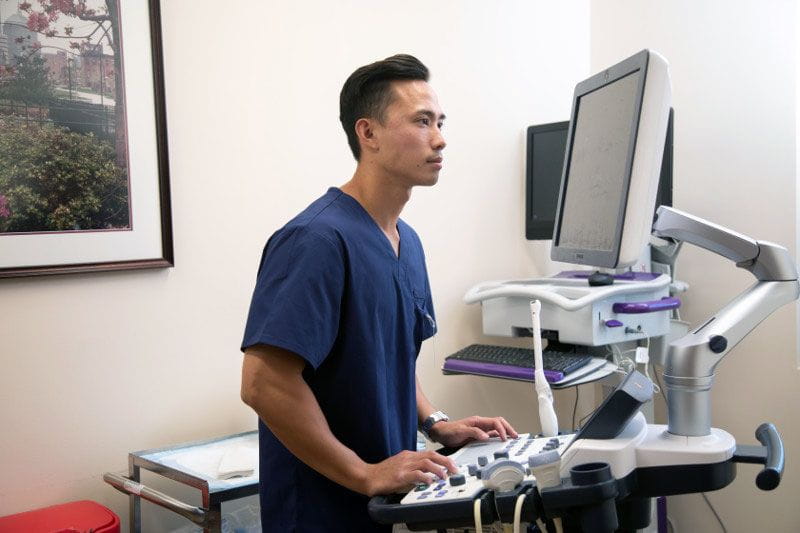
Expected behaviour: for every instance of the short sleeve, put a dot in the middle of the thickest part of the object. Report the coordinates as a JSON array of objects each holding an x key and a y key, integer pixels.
[{"x": 297, "y": 299}]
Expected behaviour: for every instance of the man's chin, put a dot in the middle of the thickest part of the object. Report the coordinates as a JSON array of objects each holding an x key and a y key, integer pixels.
[
  {"x": 429, "y": 181},
  {"x": 423, "y": 181}
]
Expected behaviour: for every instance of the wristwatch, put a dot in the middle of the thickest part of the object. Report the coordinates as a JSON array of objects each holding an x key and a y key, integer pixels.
[{"x": 428, "y": 423}]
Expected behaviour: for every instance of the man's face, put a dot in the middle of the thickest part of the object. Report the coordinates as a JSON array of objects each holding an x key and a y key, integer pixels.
[{"x": 410, "y": 141}]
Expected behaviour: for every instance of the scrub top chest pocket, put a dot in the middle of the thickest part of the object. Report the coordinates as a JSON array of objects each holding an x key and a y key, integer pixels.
[
  {"x": 425, "y": 324},
  {"x": 424, "y": 321}
]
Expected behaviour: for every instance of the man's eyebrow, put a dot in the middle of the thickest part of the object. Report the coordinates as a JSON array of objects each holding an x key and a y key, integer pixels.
[{"x": 430, "y": 114}]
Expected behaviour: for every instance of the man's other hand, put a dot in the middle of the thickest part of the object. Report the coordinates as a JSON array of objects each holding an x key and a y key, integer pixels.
[
  {"x": 475, "y": 428},
  {"x": 401, "y": 472}
]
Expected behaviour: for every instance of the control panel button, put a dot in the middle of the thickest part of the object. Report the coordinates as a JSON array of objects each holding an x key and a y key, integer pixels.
[{"x": 457, "y": 479}]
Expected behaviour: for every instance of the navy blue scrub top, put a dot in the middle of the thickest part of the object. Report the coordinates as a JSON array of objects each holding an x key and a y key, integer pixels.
[{"x": 331, "y": 289}]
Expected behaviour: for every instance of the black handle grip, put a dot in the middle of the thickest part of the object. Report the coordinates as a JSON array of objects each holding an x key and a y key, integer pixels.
[{"x": 770, "y": 476}]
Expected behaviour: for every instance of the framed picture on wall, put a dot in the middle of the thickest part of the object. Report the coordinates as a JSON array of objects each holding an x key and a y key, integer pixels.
[{"x": 84, "y": 177}]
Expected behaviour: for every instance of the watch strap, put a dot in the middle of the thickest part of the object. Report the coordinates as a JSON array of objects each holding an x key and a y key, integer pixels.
[{"x": 428, "y": 423}]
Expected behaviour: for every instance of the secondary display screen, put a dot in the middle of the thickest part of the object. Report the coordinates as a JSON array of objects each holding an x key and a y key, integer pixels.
[
  {"x": 547, "y": 161},
  {"x": 596, "y": 180}
]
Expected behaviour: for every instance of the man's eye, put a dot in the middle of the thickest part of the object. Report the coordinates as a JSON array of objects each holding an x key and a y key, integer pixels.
[
  {"x": 440, "y": 125},
  {"x": 424, "y": 121}
]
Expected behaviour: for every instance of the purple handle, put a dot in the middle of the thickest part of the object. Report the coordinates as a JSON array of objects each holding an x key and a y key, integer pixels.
[{"x": 634, "y": 308}]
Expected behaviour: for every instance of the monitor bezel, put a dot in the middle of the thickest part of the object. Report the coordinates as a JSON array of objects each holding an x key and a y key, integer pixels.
[
  {"x": 543, "y": 229},
  {"x": 601, "y": 258},
  {"x": 665, "y": 176}
]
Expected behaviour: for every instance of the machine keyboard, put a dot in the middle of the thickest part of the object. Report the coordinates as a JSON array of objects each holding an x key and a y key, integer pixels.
[{"x": 557, "y": 364}]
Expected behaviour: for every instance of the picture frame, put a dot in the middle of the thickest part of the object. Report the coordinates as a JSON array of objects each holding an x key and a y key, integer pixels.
[{"x": 100, "y": 121}]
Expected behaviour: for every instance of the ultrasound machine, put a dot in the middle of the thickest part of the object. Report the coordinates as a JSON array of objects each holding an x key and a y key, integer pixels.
[{"x": 604, "y": 476}]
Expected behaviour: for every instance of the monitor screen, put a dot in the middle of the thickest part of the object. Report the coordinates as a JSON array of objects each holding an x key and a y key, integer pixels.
[
  {"x": 545, "y": 167},
  {"x": 595, "y": 192},
  {"x": 614, "y": 150}
]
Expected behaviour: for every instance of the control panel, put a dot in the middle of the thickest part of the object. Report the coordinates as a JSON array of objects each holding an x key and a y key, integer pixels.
[{"x": 488, "y": 465}]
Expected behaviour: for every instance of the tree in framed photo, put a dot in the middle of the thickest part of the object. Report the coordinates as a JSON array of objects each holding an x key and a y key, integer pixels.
[{"x": 63, "y": 137}]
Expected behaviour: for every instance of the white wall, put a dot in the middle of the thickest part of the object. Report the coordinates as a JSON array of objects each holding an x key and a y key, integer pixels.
[
  {"x": 733, "y": 72},
  {"x": 95, "y": 366}
]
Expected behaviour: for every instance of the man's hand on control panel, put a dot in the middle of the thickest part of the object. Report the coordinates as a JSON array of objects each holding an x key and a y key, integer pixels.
[
  {"x": 401, "y": 472},
  {"x": 455, "y": 433}
]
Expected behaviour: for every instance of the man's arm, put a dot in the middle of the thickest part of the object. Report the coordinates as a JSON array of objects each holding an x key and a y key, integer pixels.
[
  {"x": 459, "y": 432},
  {"x": 273, "y": 385}
]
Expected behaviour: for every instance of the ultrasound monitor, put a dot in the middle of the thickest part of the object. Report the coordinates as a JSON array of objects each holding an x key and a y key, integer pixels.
[
  {"x": 544, "y": 165},
  {"x": 612, "y": 164}
]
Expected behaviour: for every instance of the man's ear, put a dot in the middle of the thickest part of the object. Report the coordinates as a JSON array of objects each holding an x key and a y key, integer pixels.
[{"x": 365, "y": 130}]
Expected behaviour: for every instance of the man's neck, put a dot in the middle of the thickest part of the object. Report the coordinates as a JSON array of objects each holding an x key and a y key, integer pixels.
[{"x": 379, "y": 198}]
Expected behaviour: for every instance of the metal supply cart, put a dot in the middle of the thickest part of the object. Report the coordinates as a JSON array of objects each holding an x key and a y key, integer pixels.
[{"x": 191, "y": 464}]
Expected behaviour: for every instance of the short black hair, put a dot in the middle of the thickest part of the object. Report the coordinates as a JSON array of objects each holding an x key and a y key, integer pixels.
[{"x": 367, "y": 92}]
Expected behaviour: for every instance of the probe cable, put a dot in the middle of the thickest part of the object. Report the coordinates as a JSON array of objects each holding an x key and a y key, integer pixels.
[
  {"x": 476, "y": 514},
  {"x": 518, "y": 510}
]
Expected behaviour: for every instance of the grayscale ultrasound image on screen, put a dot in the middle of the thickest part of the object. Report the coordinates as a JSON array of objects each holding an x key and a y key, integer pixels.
[{"x": 596, "y": 180}]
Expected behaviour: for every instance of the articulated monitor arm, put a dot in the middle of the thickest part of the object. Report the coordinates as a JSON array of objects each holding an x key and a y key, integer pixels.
[{"x": 692, "y": 359}]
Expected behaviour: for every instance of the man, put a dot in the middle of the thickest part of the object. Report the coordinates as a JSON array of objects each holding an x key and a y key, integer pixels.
[{"x": 340, "y": 309}]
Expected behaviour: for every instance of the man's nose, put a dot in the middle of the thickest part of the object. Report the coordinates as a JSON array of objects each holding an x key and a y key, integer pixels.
[{"x": 438, "y": 141}]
